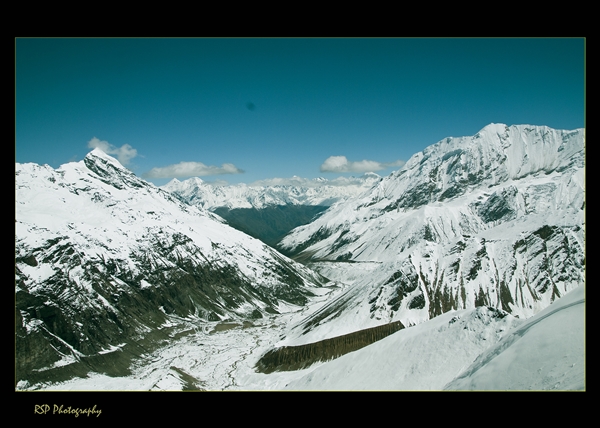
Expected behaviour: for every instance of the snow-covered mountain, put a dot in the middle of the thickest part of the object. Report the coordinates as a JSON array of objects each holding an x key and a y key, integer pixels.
[
  {"x": 496, "y": 219},
  {"x": 104, "y": 260},
  {"x": 476, "y": 246},
  {"x": 294, "y": 191}
]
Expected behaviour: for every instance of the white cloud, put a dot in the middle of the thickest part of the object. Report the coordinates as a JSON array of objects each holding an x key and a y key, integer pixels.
[
  {"x": 341, "y": 164},
  {"x": 124, "y": 153},
  {"x": 191, "y": 169}
]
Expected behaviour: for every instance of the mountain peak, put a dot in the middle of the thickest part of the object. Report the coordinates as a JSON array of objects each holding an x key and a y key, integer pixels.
[
  {"x": 110, "y": 170},
  {"x": 174, "y": 181},
  {"x": 494, "y": 127},
  {"x": 116, "y": 262},
  {"x": 97, "y": 153}
]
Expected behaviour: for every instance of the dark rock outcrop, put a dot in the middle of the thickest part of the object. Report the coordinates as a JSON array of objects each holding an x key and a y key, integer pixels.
[{"x": 289, "y": 358}]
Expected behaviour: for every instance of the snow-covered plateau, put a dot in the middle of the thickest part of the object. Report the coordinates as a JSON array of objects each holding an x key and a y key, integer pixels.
[{"x": 475, "y": 248}]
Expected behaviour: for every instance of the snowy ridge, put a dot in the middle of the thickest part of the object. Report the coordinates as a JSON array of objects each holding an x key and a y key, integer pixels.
[
  {"x": 516, "y": 363},
  {"x": 472, "y": 349},
  {"x": 495, "y": 155},
  {"x": 495, "y": 219}
]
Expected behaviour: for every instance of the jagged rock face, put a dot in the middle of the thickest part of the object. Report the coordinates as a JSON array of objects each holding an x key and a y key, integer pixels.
[
  {"x": 105, "y": 259},
  {"x": 495, "y": 219},
  {"x": 495, "y": 155}
]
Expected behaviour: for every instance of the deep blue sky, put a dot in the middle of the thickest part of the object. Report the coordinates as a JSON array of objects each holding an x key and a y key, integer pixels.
[{"x": 281, "y": 107}]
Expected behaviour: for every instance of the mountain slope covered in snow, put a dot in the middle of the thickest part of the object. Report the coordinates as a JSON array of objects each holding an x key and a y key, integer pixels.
[
  {"x": 104, "y": 260},
  {"x": 470, "y": 349},
  {"x": 496, "y": 219},
  {"x": 545, "y": 352}
]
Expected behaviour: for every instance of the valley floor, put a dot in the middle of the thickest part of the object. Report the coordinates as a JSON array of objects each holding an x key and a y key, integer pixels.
[
  {"x": 471, "y": 349},
  {"x": 204, "y": 360},
  {"x": 203, "y": 356}
]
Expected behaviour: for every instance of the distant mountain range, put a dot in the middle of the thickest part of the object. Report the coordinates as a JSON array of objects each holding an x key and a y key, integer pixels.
[
  {"x": 269, "y": 211},
  {"x": 294, "y": 191}
]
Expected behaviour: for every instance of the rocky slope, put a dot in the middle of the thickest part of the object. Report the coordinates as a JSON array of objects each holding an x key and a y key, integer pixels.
[
  {"x": 106, "y": 261},
  {"x": 496, "y": 219}
]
